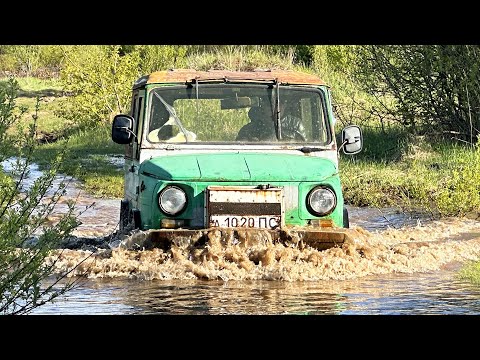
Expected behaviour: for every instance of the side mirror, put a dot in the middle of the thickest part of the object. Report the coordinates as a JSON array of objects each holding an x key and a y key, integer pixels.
[
  {"x": 352, "y": 139},
  {"x": 122, "y": 129}
]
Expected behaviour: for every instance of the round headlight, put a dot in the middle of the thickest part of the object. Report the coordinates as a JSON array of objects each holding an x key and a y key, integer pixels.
[
  {"x": 321, "y": 201},
  {"x": 172, "y": 200}
]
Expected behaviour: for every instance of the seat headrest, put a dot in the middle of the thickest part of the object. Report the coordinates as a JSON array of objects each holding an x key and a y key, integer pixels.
[{"x": 256, "y": 113}]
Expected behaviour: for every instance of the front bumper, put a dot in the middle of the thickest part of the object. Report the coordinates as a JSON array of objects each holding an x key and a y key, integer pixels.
[{"x": 320, "y": 239}]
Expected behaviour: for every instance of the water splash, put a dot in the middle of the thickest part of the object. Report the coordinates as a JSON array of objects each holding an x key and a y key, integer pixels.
[{"x": 417, "y": 249}]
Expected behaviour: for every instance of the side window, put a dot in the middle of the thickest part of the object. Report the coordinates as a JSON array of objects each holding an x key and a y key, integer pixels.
[
  {"x": 136, "y": 116},
  {"x": 133, "y": 105}
]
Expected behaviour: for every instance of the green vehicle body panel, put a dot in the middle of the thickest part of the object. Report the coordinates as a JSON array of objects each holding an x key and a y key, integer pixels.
[
  {"x": 235, "y": 169},
  {"x": 220, "y": 167}
]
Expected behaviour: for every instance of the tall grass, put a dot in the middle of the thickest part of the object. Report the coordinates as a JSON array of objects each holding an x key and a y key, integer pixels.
[
  {"x": 87, "y": 161},
  {"x": 237, "y": 57},
  {"x": 471, "y": 272},
  {"x": 442, "y": 178},
  {"x": 50, "y": 95},
  {"x": 29, "y": 84}
]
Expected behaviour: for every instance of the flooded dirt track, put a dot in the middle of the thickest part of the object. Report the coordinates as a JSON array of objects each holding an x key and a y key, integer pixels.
[
  {"x": 98, "y": 217},
  {"x": 395, "y": 263}
]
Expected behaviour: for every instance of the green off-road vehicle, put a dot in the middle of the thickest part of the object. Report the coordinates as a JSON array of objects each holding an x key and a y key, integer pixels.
[{"x": 235, "y": 152}]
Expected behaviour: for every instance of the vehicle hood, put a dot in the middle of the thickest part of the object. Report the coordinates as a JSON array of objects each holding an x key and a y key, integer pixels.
[{"x": 239, "y": 167}]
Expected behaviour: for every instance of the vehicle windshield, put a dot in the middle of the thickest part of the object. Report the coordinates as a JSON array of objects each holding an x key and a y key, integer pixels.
[{"x": 237, "y": 113}]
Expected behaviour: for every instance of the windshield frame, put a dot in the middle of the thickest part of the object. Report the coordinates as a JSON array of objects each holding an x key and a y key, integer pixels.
[{"x": 321, "y": 90}]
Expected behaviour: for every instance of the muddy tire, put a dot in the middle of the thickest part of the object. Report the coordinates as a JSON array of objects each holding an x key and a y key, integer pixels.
[
  {"x": 124, "y": 214},
  {"x": 135, "y": 218},
  {"x": 346, "y": 220}
]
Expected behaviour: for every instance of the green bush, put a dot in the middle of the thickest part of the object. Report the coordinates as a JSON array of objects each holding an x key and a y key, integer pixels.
[
  {"x": 237, "y": 57},
  {"x": 459, "y": 193},
  {"x": 7, "y": 63},
  {"x": 434, "y": 88},
  {"x": 99, "y": 78},
  {"x": 31, "y": 60},
  {"x": 160, "y": 57},
  {"x": 23, "y": 212},
  {"x": 99, "y": 81},
  {"x": 336, "y": 65}
]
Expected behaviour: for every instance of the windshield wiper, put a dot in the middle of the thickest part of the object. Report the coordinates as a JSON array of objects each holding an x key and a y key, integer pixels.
[
  {"x": 277, "y": 114},
  {"x": 307, "y": 150},
  {"x": 173, "y": 113}
]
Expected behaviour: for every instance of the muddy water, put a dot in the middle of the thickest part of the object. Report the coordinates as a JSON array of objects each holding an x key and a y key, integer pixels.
[
  {"x": 98, "y": 216},
  {"x": 408, "y": 270},
  {"x": 438, "y": 292},
  {"x": 395, "y": 263}
]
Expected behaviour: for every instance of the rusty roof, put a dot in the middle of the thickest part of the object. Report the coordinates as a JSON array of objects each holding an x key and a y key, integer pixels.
[{"x": 190, "y": 75}]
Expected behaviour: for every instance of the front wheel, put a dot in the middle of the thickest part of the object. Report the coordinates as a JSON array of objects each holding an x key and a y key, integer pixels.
[{"x": 346, "y": 220}]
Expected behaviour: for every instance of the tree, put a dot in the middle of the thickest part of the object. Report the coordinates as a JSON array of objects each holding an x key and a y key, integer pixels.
[
  {"x": 26, "y": 236},
  {"x": 435, "y": 87},
  {"x": 98, "y": 79}
]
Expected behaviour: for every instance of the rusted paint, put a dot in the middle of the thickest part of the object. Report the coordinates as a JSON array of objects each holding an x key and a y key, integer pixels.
[{"x": 190, "y": 75}]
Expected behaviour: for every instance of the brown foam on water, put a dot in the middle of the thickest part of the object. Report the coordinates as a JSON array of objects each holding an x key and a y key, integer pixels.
[{"x": 408, "y": 250}]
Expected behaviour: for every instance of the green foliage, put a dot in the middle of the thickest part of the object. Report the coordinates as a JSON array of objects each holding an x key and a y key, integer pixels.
[
  {"x": 8, "y": 94},
  {"x": 336, "y": 65},
  {"x": 471, "y": 272},
  {"x": 99, "y": 80},
  {"x": 28, "y": 57},
  {"x": 459, "y": 193},
  {"x": 238, "y": 57},
  {"x": 334, "y": 58},
  {"x": 89, "y": 149},
  {"x": 28, "y": 60},
  {"x": 434, "y": 87},
  {"x": 51, "y": 56},
  {"x": 7, "y": 62},
  {"x": 26, "y": 237},
  {"x": 160, "y": 57}
]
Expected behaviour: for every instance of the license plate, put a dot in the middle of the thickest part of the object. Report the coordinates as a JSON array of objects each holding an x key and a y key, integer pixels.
[{"x": 260, "y": 222}]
